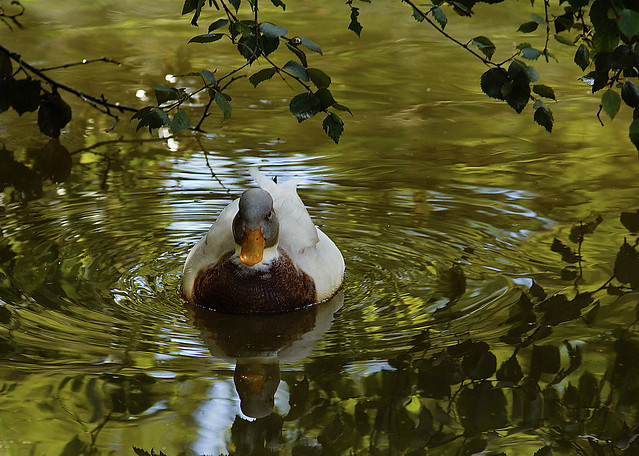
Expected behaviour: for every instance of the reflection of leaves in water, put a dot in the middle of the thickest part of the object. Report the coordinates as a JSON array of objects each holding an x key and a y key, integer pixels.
[
  {"x": 566, "y": 252},
  {"x": 630, "y": 220},
  {"x": 460, "y": 398},
  {"x": 52, "y": 161},
  {"x": 627, "y": 265}
]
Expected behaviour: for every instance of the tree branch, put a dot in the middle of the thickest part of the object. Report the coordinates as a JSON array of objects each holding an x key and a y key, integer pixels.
[
  {"x": 450, "y": 37},
  {"x": 82, "y": 62},
  {"x": 93, "y": 101}
]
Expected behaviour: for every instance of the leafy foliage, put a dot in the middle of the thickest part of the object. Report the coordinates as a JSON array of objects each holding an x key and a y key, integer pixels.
[
  {"x": 253, "y": 40},
  {"x": 462, "y": 397},
  {"x": 603, "y": 32}
]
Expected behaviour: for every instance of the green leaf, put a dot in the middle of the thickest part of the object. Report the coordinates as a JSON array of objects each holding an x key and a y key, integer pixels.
[
  {"x": 223, "y": 104},
  {"x": 279, "y": 3},
  {"x": 528, "y": 27},
  {"x": 462, "y": 9},
  {"x": 206, "y": 38},
  {"x": 606, "y": 36},
  {"x": 247, "y": 46},
  {"x": 611, "y": 102},
  {"x": 633, "y": 133},
  {"x": 164, "y": 94},
  {"x": 310, "y": 45},
  {"x": 566, "y": 40},
  {"x": 516, "y": 91},
  {"x": 492, "y": 81},
  {"x": 235, "y": 4},
  {"x": 6, "y": 68},
  {"x": 530, "y": 53},
  {"x": 24, "y": 95},
  {"x": 538, "y": 19},
  {"x": 532, "y": 73},
  {"x": 544, "y": 91},
  {"x": 318, "y": 77},
  {"x": 628, "y": 22},
  {"x": 218, "y": 24},
  {"x": 243, "y": 28},
  {"x": 261, "y": 76},
  {"x": 341, "y": 107},
  {"x": 54, "y": 114},
  {"x": 355, "y": 26},
  {"x": 543, "y": 116},
  {"x": 271, "y": 30},
  {"x": 180, "y": 121},
  {"x": 440, "y": 17},
  {"x": 304, "y": 106},
  {"x": 516, "y": 95},
  {"x": 269, "y": 44},
  {"x": 209, "y": 76},
  {"x": 417, "y": 15},
  {"x": 582, "y": 57},
  {"x": 333, "y": 126},
  {"x": 325, "y": 97},
  {"x": 485, "y": 46},
  {"x": 298, "y": 52},
  {"x": 151, "y": 117},
  {"x": 296, "y": 69},
  {"x": 193, "y": 5},
  {"x": 630, "y": 93}
]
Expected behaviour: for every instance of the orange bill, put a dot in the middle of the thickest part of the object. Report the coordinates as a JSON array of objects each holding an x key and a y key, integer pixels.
[
  {"x": 254, "y": 383},
  {"x": 252, "y": 247}
]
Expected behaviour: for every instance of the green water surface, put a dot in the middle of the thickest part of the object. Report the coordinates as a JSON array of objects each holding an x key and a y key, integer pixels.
[{"x": 459, "y": 329}]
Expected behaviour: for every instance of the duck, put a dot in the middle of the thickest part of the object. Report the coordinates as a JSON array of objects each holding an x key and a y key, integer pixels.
[{"x": 263, "y": 254}]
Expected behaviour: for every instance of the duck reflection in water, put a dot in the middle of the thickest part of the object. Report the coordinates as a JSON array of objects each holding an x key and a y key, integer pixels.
[{"x": 259, "y": 343}]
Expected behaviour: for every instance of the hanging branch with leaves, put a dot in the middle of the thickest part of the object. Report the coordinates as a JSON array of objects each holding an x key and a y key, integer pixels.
[
  {"x": 254, "y": 40},
  {"x": 29, "y": 94}
]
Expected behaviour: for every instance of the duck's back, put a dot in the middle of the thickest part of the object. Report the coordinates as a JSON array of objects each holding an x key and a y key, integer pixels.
[{"x": 309, "y": 248}]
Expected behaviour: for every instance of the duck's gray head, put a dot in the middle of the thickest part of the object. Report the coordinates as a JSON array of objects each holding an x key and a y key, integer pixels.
[{"x": 255, "y": 227}]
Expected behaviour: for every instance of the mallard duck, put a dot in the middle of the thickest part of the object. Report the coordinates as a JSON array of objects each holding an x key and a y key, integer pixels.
[{"x": 263, "y": 254}]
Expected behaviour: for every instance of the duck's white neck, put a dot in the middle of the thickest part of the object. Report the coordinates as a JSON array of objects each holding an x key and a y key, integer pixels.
[{"x": 270, "y": 254}]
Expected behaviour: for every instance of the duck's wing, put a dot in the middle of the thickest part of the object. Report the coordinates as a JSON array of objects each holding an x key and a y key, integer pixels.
[
  {"x": 309, "y": 248},
  {"x": 215, "y": 243},
  {"x": 297, "y": 231}
]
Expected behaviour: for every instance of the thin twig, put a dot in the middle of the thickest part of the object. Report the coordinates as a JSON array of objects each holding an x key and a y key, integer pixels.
[
  {"x": 82, "y": 62},
  {"x": 450, "y": 37},
  {"x": 546, "y": 5},
  {"x": 118, "y": 141},
  {"x": 83, "y": 96}
]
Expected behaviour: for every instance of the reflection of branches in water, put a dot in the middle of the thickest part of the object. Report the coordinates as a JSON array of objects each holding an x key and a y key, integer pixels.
[
  {"x": 6, "y": 17},
  {"x": 213, "y": 175},
  {"x": 120, "y": 141}
]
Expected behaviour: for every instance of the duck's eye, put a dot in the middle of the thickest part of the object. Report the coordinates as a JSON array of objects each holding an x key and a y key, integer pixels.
[{"x": 269, "y": 216}]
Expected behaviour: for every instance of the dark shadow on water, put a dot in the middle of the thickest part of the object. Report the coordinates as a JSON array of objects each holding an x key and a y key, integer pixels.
[{"x": 259, "y": 343}]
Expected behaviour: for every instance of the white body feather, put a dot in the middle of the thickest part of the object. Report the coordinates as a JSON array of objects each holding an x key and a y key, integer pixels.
[{"x": 308, "y": 247}]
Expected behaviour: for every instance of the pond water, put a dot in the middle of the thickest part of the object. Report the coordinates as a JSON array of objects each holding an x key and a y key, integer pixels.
[{"x": 467, "y": 323}]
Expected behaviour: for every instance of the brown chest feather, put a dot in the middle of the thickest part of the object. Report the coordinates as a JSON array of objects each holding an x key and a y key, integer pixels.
[{"x": 232, "y": 288}]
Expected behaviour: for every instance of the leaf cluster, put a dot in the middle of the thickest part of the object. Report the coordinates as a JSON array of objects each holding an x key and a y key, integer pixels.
[
  {"x": 28, "y": 95},
  {"x": 253, "y": 40}
]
